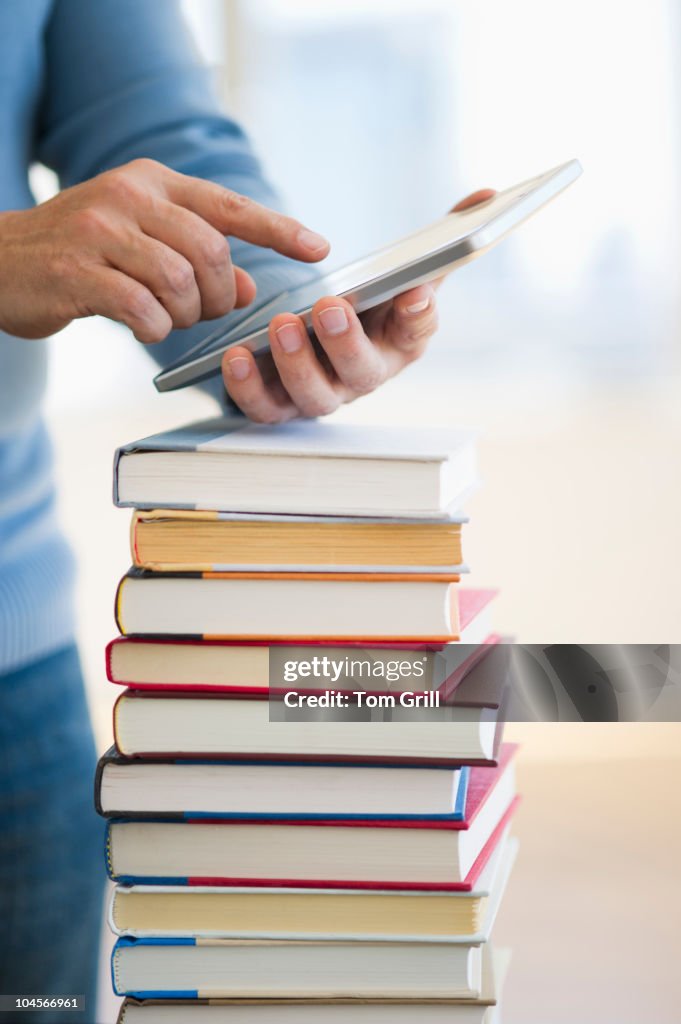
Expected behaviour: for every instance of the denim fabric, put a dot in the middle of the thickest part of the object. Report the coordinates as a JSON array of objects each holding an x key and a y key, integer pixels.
[{"x": 51, "y": 863}]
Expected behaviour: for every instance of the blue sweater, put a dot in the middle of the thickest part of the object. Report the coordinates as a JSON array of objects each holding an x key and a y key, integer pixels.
[{"x": 86, "y": 85}]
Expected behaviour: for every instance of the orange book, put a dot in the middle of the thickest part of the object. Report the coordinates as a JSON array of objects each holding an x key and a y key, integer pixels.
[{"x": 164, "y": 540}]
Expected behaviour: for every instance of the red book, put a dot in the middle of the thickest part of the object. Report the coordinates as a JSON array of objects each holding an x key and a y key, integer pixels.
[{"x": 327, "y": 854}]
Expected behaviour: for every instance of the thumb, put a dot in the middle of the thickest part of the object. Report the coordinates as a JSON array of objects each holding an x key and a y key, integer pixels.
[{"x": 474, "y": 199}]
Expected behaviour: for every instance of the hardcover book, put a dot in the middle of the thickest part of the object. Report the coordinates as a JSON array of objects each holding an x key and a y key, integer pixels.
[
  {"x": 149, "y": 724},
  {"x": 166, "y": 541},
  {"x": 325, "y": 854},
  {"x": 339, "y": 1010},
  {"x": 294, "y": 606},
  {"x": 210, "y": 912},
  {"x": 243, "y": 667},
  {"x": 195, "y": 968},
  {"x": 178, "y": 790},
  {"x": 303, "y": 467}
]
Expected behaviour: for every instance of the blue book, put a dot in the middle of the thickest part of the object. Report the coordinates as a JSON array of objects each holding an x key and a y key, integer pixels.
[{"x": 194, "y": 790}]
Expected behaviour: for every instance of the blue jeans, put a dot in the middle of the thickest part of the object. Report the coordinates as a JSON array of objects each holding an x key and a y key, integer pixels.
[{"x": 51, "y": 841}]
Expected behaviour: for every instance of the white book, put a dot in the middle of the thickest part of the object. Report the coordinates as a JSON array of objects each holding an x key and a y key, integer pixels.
[
  {"x": 268, "y": 968},
  {"x": 481, "y": 1010},
  {"x": 315, "y": 605},
  {"x": 302, "y": 467},
  {"x": 210, "y": 726},
  {"x": 130, "y": 788}
]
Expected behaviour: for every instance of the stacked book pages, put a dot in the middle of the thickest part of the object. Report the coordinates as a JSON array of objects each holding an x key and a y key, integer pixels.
[{"x": 308, "y": 800}]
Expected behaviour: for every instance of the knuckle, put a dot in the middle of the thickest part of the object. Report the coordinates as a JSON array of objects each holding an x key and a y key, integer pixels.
[
  {"x": 281, "y": 225},
  {"x": 322, "y": 405},
  {"x": 421, "y": 335},
  {"x": 65, "y": 266},
  {"x": 89, "y": 221},
  {"x": 366, "y": 382},
  {"x": 144, "y": 165},
  {"x": 411, "y": 352},
  {"x": 265, "y": 415},
  {"x": 214, "y": 252},
  {"x": 120, "y": 186},
  {"x": 270, "y": 418},
  {"x": 417, "y": 336},
  {"x": 234, "y": 202},
  {"x": 137, "y": 303},
  {"x": 178, "y": 275}
]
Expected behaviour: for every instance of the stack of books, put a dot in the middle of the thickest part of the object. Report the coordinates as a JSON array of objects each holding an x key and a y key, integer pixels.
[{"x": 308, "y": 798}]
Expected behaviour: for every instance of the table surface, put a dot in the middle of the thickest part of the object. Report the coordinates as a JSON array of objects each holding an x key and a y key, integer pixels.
[{"x": 593, "y": 908}]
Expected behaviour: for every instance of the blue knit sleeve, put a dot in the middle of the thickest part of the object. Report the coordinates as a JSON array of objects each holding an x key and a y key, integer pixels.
[{"x": 123, "y": 80}]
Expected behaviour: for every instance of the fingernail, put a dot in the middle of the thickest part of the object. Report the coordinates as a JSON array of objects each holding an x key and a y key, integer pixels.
[
  {"x": 418, "y": 307},
  {"x": 239, "y": 367},
  {"x": 312, "y": 241},
  {"x": 289, "y": 338},
  {"x": 334, "y": 319}
]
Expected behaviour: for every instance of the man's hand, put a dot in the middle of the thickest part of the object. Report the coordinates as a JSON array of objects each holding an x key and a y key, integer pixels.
[
  {"x": 357, "y": 353},
  {"x": 140, "y": 244}
]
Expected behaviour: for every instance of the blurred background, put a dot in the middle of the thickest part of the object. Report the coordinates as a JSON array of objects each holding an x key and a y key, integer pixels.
[{"x": 561, "y": 347}]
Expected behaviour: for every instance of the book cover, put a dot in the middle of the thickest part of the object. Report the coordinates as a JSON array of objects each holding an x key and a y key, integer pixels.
[
  {"x": 167, "y": 540},
  {"x": 316, "y": 914},
  {"x": 246, "y": 618},
  {"x": 112, "y": 757},
  {"x": 480, "y": 787},
  {"x": 417, "y": 453}
]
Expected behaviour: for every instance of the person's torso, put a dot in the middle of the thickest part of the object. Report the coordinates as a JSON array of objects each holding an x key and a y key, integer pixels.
[{"x": 22, "y": 24}]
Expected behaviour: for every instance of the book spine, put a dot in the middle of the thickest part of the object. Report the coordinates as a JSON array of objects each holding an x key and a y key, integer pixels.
[
  {"x": 99, "y": 771},
  {"x": 134, "y": 552},
  {"x": 267, "y": 818},
  {"x": 114, "y": 715},
  {"x": 298, "y": 757},
  {"x": 108, "y": 655},
  {"x": 117, "y": 458},
  {"x": 117, "y": 605}
]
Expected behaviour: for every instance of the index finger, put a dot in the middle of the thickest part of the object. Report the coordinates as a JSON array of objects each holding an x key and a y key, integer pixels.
[{"x": 235, "y": 214}]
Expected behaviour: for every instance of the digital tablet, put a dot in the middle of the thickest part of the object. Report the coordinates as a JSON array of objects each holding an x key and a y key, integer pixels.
[{"x": 411, "y": 261}]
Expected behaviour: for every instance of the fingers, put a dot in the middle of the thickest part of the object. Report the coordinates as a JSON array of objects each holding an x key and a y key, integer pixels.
[
  {"x": 246, "y": 288},
  {"x": 412, "y": 321},
  {"x": 164, "y": 272},
  {"x": 264, "y": 403},
  {"x": 185, "y": 263},
  {"x": 358, "y": 363},
  {"x": 203, "y": 247},
  {"x": 306, "y": 381},
  {"x": 234, "y": 214},
  {"x": 483, "y": 195},
  {"x": 108, "y": 292}
]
